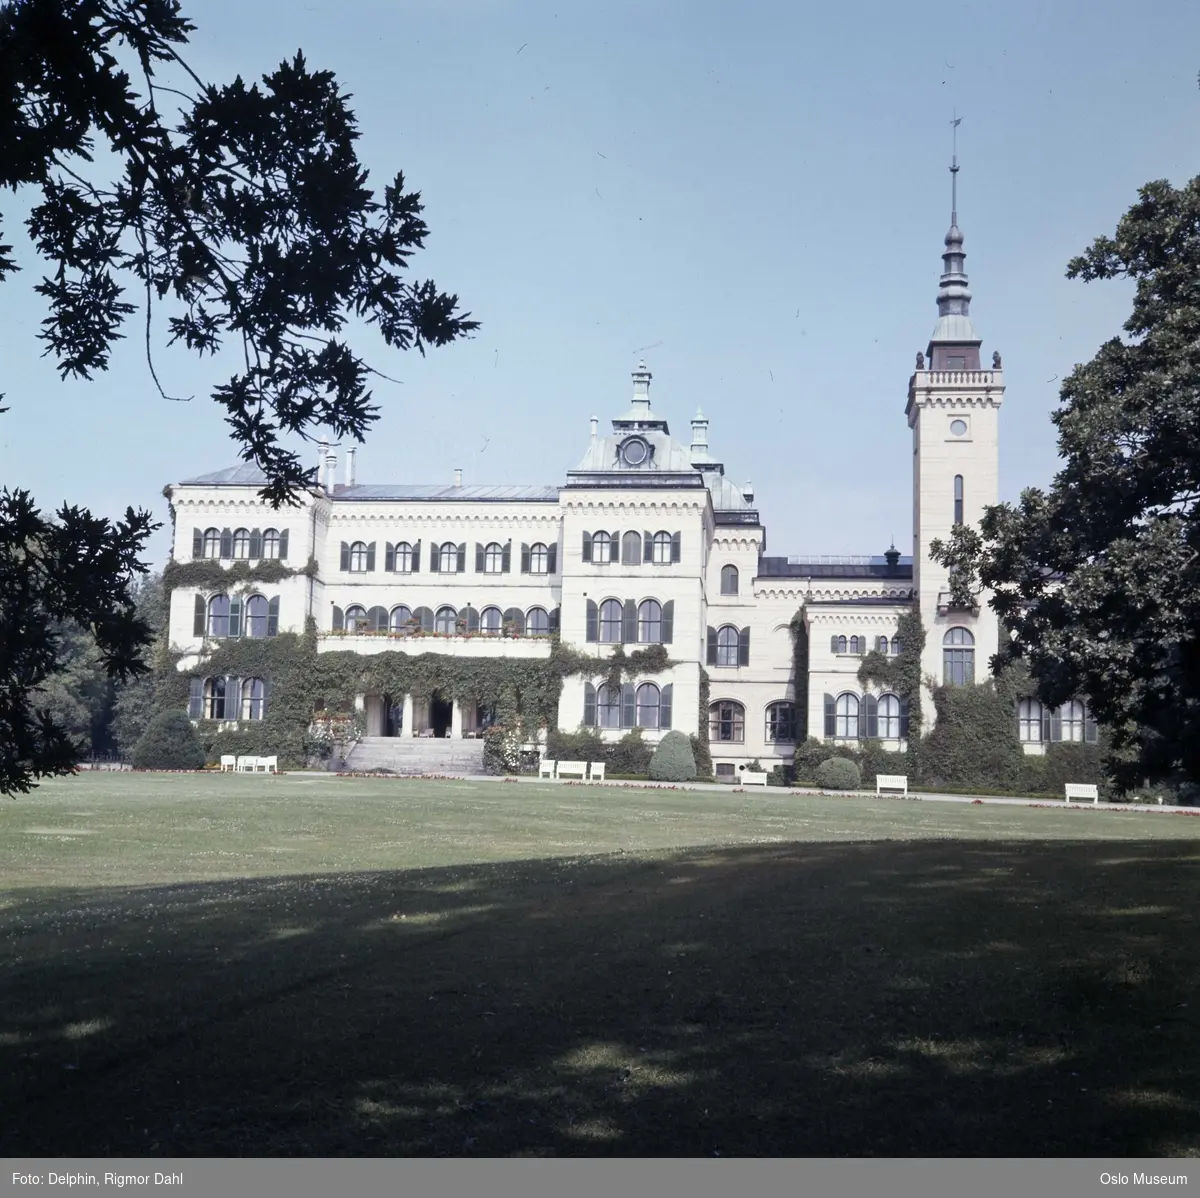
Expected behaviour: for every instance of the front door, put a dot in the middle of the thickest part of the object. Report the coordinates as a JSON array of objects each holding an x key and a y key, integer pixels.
[
  {"x": 441, "y": 712},
  {"x": 393, "y": 717}
]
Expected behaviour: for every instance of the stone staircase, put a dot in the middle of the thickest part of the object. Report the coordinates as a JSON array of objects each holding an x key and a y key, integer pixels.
[{"x": 414, "y": 756}]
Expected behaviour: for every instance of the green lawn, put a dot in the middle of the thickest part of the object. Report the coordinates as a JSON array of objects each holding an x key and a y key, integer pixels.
[{"x": 308, "y": 965}]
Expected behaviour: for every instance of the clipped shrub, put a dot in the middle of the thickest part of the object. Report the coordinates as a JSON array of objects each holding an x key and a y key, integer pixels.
[
  {"x": 584, "y": 745},
  {"x": 169, "y": 743},
  {"x": 630, "y": 755},
  {"x": 875, "y": 760},
  {"x": 839, "y": 773},
  {"x": 673, "y": 760},
  {"x": 810, "y": 754}
]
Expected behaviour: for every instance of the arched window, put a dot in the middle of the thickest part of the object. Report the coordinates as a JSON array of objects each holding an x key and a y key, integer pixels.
[
  {"x": 660, "y": 552},
  {"x": 650, "y": 622},
  {"x": 897, "y": 644},
  {"x": 1072, "y": 716},
  {"x": 270, "y": 547},
  {"x": 358, "y": 556},
  {"x": 491, "y": 621},
  {"x": 727, "y": 646},
  {"x": 256, "y": 616},
  {"x": 539, "y": 559},
  {"x": 608, "y": 706},
  {"x": 377, "y": 619},
  {"x": 958, "y": 657},
  {"x": 218, "y": 615},
  {"x": 241, "y": 542},
  {"x": 537, "y": 622},
  {"x": 212, "y": 542},
  {"x": 601, "y": 547},
  {"x": 1029, "y": 721},
  {"x": 727, "y": 722},
  {"x": 493, "y": 558},
  {"x": 889, "y": 717},
  {"x": 214, "y": 698},
  {"x": 729, "y": 580},
  {"x": 445, "y": 621},
  {"x": 958, "y": 499},
  {"x": 841, "y": 644},
  {"x": 402, "y": 560},
  {"x": 448, "y": 558},
  {"x": 631, "y": 549},
  {"x": 252, "y": 699},
  {"x": 781, "y": 722},
  {"x": 846, "y": 711},
  {"x": 857, "y": 644},
  {"x": 881, "y": 644},
  {"x": 610, "y": 622},
  {"x": 648, "y": 699},
  {"x": 356, "y": 619},
  {"x": 398, "y": 621}
]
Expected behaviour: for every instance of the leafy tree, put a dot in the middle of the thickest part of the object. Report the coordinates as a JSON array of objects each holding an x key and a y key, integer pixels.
[
  {"x": 134, "y": 702},
  {"x": 169, "y": 743},
  {"x": 240, "y": 213},
  {"x": 1098, "y": 578},
  {"x": 79, "y": 694}
]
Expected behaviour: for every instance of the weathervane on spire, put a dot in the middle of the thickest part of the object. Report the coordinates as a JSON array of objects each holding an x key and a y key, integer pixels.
[{"x": 954, "y": 124}]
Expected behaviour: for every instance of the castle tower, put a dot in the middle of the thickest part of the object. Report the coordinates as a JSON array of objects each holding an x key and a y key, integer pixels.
[{"x": 953, "y": 411}]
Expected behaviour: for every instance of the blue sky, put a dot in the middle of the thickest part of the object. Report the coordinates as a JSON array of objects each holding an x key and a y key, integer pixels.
[{"x": 758, "y": 192}]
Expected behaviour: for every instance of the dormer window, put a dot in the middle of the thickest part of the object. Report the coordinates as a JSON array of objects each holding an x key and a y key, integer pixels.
[{"x": 635, "y": 452}]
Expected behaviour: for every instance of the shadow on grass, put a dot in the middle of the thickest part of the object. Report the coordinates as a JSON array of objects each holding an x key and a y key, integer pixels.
[{"x": 934, "y": 998}]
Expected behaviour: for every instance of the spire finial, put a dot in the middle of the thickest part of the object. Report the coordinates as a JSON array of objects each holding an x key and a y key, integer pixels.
[{"x": 954, "y": 124}]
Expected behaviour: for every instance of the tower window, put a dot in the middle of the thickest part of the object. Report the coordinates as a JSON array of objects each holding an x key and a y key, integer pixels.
[
  {"x": 956, "y": 363},
  {"x": 958, "y": 499}
]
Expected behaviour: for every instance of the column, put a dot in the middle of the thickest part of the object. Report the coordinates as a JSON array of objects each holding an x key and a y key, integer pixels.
[
  {"x": 407, "y": 729},
  {"x": 455, "y": 720}
]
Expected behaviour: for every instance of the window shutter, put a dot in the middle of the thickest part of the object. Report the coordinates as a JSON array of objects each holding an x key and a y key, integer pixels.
[
  {"x": 226, "y": 542},
  {"x": 552, "y": 559},
  {"x": 478, "y": 558},
  {"x": 676, "y": 546},
  {"x": 628, "y": 706},
  {"x": 197, "y": 543},
  {"x": 389, "y": 557},
  {"x": 371, "y": 556},
  {"x": 266, "y": 698},
  {"x": 587, "y": 546},
  {"x": 283, "y": 544},
  {"x": 664, "y": 705},
  {"x": 554, "y": 616},
  {"x": 668, "y": 622},
  {"x": 339, "y": 619},
  {"x": 201, "y": 612},
  {"x": 903, "y": 717},
  {"x": 506, "y": 559},
  {"x": 589, "y": 705},
  {"x": 524, "y": 559},
  {"x": 1090, "y": 731},
  {"x": 195, "y": 698},
  {"x": 712, "y": 647},
  {"x": 647, "y": 546},
  {"x": 614, "y": 547},
  {"x": 472, "y": 618},
  {"x": 833, "y": 644},
  {"x": 462, "y": 558},
  {"x": 273, "y": 617},
  {"x": 1045, "y": 724},
  {"x": 830, "y": 718},
  {"x": 435, "y": 557},
  {"x": 1056, "y": 725},
  {"x": 345, "y": 557},
  {"x": 233, "y": 698},
  {"x": 871, "y": 711},
  {"x": 744, "y": 647},
  {"x": 416, "y": 558},
  {"x": 235, "y": 616},
  {"x": 256, "y": 543},
  {"x": 593, "y": 621},
  {"x": 629, "y": 622}
]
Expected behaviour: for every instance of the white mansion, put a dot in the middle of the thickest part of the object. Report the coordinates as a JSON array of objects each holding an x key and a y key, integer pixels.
[{"x": 646, "y": 541}]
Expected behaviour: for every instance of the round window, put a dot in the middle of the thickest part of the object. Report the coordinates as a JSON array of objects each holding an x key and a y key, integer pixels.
[
  {"x": 958, "y": 428},
  {"x": 635, "y": 451}
]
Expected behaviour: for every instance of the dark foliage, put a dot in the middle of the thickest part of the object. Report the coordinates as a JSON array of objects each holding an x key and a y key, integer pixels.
[
  {"x": 169, "y": 743},
  {"x": 672, "y": 760}
]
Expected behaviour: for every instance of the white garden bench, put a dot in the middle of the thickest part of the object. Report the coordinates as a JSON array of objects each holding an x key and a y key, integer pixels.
[
  {"x": 596, "y": 771},
  {"x": 1083, "y": 790},
  {"x": 753, "y": 778},
  {"x": 891, "y": 782},
  {"x": 268, "y": 765},
  {"x": 573, "y": 767},
  {"x": 246, "y": 765},
  {"x": 546, "y": 768},
  {"x": 228, "y": 762}
]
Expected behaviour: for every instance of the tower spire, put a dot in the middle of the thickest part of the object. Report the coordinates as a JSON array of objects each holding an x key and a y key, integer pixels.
[{"x": 954, "y": 124}]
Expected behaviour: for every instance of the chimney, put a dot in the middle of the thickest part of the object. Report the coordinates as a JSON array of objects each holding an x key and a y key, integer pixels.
[
  {"x": 699, "y": 437},
  {"x": 350, "y": 466},
  {"x": 322, "y": 450},
  {"x": 458, "y": 478},
  {"x": 330, "y": 470},
  {"x": 641, "y": 389},
  {"x": 748, "y": 493},
  {"x": 595, "y": 427}
]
